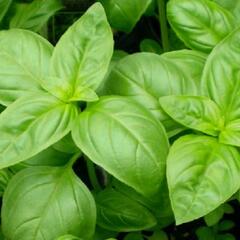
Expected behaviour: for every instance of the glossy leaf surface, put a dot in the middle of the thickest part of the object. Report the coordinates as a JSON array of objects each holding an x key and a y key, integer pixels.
[
  {"x": 32, "y": 124},
  {"x": 117, "y": 212},
  {"x": 112, "y": 133},
  {"x": 199, "y": 113},
  {"x": 202, "y": 174},
  {"x": 200, "y": 24},
  {"x": 222, "y": 84},
  {"x": 60, "y": 204},
  {"x": 22, "y": 65},
  {"x": 81, "y": 57},
  {"x": 124, "y": 14}
]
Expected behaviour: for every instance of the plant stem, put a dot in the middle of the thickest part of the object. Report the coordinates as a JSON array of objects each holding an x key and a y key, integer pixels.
[
  {"x": 73, "y": 159},
  {"x": 163, "y": 24},
  {"x": 92, "y": 175}
]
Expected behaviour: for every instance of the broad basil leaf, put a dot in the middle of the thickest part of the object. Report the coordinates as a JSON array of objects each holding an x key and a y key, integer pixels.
[
  {"x": 117, "y": 212},
  {"x": 159, "y": 204},
  {"x": 81, "y": 57},
  {"x": 199, "y": 113},
  {"x": 200, "y": 24},
  {"x": 45, "y": 203},
  {"x": 146, "y": 76},
  {"x": 112, "y": 133},
  {"x": 202, "y": 174},
  {"x": 4, "y": 5},
  {"x": 124, "y": 14},
  {"x": 190, "y": 63},
  {"x": 32, "y": 124},
  {"x": 221, "y": 80},
  {"x": 24, "y": 62},
  {"x": 34, "y": 15}
]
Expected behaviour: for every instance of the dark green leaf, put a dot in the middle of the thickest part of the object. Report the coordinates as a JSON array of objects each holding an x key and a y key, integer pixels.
[
  {"x": 124, "y": 14},
  {"x": 214, "y": 217},
  {"x": 34, "y": 15},
  {"x": 117, "y": 212},
  {"x": 4, "y": 5}
]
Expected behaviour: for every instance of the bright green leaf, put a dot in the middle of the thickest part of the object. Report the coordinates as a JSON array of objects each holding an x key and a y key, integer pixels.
[
  {"x": 34, "y": 15},
  {"x": 24, "y": 62},
  {"x": 200, "y": 24},
  {"x": 124, "y": 14},
  {"x": 32, "y": 124},
  {"x": 199, "y": 113},
  {"x": 68, "y": 237},
  {"x": 117, "y": 212},
  {"x": 5, "y": 176},
  {"x": 81, "y": 57},
  {"x": 146, "y": 76},
  {"x": 202, "y": 174},
  {"x": 222, "y": 84},
  {"x": 112, "y": 133},
  {"x": 45, "y": 203}
]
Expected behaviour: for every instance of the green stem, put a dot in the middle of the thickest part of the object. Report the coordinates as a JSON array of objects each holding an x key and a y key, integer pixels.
[
  {"x": 73, "y": 159},
  {"x": 92, "y": 175},
  {"x": 163, "y": 24}
]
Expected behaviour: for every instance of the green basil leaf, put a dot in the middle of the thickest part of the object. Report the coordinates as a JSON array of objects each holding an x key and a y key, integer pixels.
[
  {"x": 224, "y": 63},
  {"x": 205, "y": 233},
  {"x": 81, "y": 57},
  {"x": 200, "y": 24},
  {"x": 150, "y": 45},
  {"x": 134, "y": 236},
  {"x": 34, "y": 15},
  {"x": 190, "y": 63},
  {"x": 5, "y": 176},
  {"x": 34, "y": 205},
  {"x": 32, "y": 124},
  {"x": 202, "y": 174},
  {"x": 228, "y": 209},
  {"x": 199, "y": 113},
  {"x": 4, "y": 5},
  {"x": 47, "y": 157},
  {"x": 123, "y": 14},
  {"x": 214, "y": 217},
  {"x": 158, "y": 235},
  {"x": 22, "y": 65},
  {"x": 137, "y": 76},
  {"x": 117, "y": 212},
  {"x": 101, "y": 233},
  {"x": 115, "y": 122},
  {"x": 226, "y": 225},
  {"x": 68, "y": 237},
  {"x": 159, "y": 205},
  {"x": 66, "y": 145},
  {"x": 232, "y": 5}
]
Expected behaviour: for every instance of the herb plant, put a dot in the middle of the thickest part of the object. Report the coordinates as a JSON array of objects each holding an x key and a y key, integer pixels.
[{"x": 157, "y": 131}]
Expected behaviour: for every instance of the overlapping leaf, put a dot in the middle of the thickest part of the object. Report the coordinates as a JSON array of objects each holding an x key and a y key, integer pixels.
[
  {"x": 202, "y": 174},
  {"x": 45, "y": 203},
  {"x": 221, "y": 80},
  {"x": 112, "y": 133},
  {"x": 81, "y": 57},
  {"x": 24, "y": 63},
  {"x": 124, "y": 14},
  {"x": 200, "y": 24},
  {"x": 117, "y": 212},
  {"x": 32, "y": 124}
]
